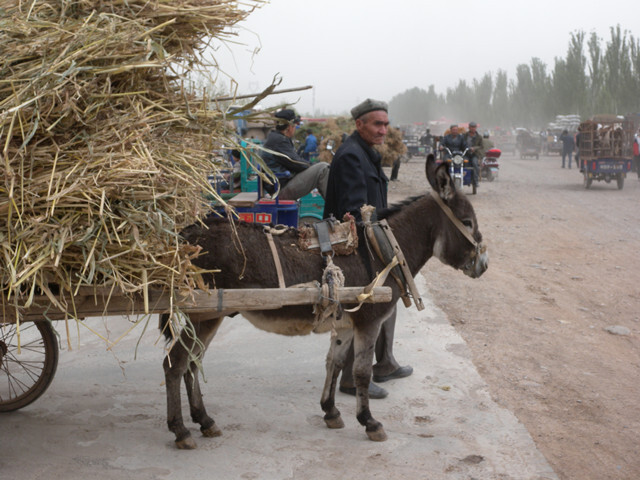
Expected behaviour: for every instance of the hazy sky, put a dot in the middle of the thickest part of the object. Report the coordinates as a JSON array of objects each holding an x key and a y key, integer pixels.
[{"x": 353, "y": 49}]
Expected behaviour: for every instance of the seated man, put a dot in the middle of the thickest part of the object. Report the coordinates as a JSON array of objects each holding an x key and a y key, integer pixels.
[{"x": 283, "y": 159}]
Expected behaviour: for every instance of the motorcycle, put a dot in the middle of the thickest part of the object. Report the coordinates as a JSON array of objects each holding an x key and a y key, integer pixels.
[
  {"x": 460, "y": 169},
  {"x": 490, "y": 167}
]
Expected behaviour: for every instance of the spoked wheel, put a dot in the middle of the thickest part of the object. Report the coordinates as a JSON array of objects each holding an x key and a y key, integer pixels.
[{"x": 26, "y": 375}]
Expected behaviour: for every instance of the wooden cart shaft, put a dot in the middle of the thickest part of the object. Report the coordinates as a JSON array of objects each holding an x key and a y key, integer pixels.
[{"x": 96, "y": 302}]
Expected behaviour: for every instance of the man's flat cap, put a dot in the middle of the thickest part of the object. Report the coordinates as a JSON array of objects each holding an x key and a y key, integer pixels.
[
  {"x": 288, "y": 115},
  {"x": 367, "y": 106}
]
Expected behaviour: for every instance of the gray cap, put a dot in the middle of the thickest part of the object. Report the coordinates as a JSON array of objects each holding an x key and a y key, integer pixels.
[
  {"x": 473, "y": 124},
  {"x": 367, "y": 106}
]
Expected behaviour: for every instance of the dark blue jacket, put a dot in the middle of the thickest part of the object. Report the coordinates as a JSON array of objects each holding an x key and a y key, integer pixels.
[
  {"x": 568, "y": 144},
  {"x": 291, "y": 162},
  {"x": 356, "y": 178}
]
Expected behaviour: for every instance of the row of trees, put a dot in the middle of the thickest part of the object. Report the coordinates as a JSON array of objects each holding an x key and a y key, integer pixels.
[{"x": 591, "y": 79}]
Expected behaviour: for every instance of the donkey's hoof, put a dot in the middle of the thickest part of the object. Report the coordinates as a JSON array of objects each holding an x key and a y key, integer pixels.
[
  {"x": 378, "y": 435},
  {"x": 334, "y": 422},
  {"x": 212, "y": 431},
  {"x": 186, "y": 443}
]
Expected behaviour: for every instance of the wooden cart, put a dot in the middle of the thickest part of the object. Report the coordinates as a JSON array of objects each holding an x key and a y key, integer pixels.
[{"x": 29, "y": 348}]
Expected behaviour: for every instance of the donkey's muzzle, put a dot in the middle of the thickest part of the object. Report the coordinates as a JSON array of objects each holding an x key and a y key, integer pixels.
[{"x": 478, "y": 263}]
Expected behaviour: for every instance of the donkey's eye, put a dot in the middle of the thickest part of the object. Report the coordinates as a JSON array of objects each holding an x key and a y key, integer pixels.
[{"x": 468, "y": 223}]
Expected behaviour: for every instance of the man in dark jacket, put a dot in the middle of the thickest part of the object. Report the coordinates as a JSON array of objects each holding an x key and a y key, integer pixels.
[
  {"x": 475, "y": 143},
  {"x": 355, "y": 179},
  {"x": 568, "y": 146},
  {"x": 296, "y": 176}
]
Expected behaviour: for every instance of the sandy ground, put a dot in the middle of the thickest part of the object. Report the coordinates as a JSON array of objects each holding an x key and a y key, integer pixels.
[
  {"x": 564, "y": 273},
  {"x": 104, "y": 415}
]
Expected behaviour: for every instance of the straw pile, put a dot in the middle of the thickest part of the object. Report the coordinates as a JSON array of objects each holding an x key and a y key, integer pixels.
[
  {"x": 105, "y": 157},
  {"x": 392, "y": 148},
  {"x": 331, "y": 131}
]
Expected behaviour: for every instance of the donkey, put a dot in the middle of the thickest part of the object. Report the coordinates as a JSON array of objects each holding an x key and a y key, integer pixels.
[{"x": 422, "y": 230}]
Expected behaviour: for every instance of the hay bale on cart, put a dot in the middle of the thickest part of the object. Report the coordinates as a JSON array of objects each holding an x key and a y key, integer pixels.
[
  {"x": 106, "y": 153},
  {"x": 105, "y": 160}
]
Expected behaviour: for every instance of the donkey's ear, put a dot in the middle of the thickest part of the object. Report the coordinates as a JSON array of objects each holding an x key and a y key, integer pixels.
[
  {"x": 430, "y": 169},
  {"x": 439, "y": 178}
]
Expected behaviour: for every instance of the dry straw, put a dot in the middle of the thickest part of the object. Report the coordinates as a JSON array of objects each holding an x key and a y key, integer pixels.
[{"x": 105, "y": 156}]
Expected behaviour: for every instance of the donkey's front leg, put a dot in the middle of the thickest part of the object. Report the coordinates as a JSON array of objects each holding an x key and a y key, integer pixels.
[
  {"x": 364, "y": 342},
  {"x": 336, "y": 358}
]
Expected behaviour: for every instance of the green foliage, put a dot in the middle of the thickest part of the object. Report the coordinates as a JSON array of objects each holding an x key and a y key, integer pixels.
[{"x": 593, "y": 77}]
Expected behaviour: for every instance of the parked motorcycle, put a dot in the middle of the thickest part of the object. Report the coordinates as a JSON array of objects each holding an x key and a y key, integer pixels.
[
  {"x": 460, "y": 169},
  {"x": 490, "y": 167}
]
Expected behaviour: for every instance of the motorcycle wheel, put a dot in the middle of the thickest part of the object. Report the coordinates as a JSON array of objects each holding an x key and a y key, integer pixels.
[{"x": 457, "y": 182}]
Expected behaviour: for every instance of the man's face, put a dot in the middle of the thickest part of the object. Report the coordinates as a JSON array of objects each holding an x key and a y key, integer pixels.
[
  {"x": 373, "y": 126},
  {"x": 290, "y": 131},
  {"x": 454, "y": 131},
  {"x": 472, "y": 130}
]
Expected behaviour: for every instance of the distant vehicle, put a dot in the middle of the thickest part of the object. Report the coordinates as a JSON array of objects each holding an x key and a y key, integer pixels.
[
  {"x": 605, "y": 149},
  {"x": 505, "y": 140},
  {"x": 528, "y": 144},
  {"x": 553, "y": 144},
  {"x": 489, "y": 167},
  {"x": 412, "y": 142},
  {"x": 459, "y": 169}
]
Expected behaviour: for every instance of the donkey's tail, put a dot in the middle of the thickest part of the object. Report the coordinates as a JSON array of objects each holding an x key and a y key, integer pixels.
[{"x": 163, "y": 324}]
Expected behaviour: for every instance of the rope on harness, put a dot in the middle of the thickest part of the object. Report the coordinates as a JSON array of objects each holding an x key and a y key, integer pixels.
[
  {"x": 380, "y": 279},
  {"x": 328, "y": 305}
]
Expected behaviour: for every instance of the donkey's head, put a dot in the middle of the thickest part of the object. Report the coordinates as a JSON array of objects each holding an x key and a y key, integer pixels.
[{"x": 458, "y": 242}]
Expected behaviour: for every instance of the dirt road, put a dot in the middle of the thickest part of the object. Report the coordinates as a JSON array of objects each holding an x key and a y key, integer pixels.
[{"x": 564, "y": 273}]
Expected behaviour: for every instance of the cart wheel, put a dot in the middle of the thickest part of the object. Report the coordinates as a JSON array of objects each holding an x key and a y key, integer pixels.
[
  {"x": 620, "y": 180},
  {"x": 26, "y": 375},
  {"x": 587, "y": 180},
  {"x": 474, "y": 189}
]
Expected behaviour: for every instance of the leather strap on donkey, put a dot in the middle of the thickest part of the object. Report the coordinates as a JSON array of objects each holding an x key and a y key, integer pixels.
[
  {"x": 386, "y": 247},
  {"x": 269, "y": 231},
  {"x": 480, "y": 247}
]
